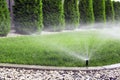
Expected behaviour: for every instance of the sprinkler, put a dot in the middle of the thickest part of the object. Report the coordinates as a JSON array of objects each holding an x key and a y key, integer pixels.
[{"x": 87, "y": 62}]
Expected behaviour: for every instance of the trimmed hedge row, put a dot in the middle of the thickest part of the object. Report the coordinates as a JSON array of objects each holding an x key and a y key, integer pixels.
[
  {"x": 86, "y": 11},
  {"x": 110, "y": 16},
  {"x": 28, "y": 16},
  {"x": 99, "y": 10},
  {"x": 53, "y": 14},
  {"x": 4, "y": 18},
  {"x": 71, "y": 8}
]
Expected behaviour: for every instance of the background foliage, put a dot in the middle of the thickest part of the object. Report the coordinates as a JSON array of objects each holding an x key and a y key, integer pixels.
[
  {"x": 28, "y": 16},
  {"x": 99, "y": 10},
  {"x": 86, "y": 11},
  {"x": 4, "y": 18},
  {"x": 71, "y": 8},
  {"x": 117, "y": 10},
  {"x": 53, "y": 14},
  {"x": 110, "y": 16}
]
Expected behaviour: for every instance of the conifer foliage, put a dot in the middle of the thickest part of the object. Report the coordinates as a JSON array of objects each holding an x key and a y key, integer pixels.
[
  {"x": 28, "y": 17},
  {"x": 86, "y": 11},
  {"x": 4, "y": 18},
  {"x": 99, "y": 10},
  {"x": 53, "y": 14},
  {"x": 110, "y": 16},
  {"x": 72, "y": 15},
  {"x": 117, "y": 10}
]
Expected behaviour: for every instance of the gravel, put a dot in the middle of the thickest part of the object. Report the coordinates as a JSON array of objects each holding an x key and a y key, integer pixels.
[{"x": 30, "y": 74}]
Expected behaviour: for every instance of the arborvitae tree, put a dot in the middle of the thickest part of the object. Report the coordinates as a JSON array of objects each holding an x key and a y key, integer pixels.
[
  {"x": 117, "y": 10},
  {"x": 99, "y": 10},
  {"x": 4, "y": 18},
  {"x": 110, "y": 15},
  {"x": 86, "y": 11},
  {"x": 53, "y": 14},
  {"x": 71, "y": 8},
  {"x": 28, "y": 16}
]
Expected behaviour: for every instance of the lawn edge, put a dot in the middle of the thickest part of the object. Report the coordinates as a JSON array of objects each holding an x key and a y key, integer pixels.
[{"x": 37, "y": 67}]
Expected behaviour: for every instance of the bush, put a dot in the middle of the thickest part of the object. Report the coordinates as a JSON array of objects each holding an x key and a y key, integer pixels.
[
  {"x": 71, "y": 8},
  {"x": 110, "y": 16},
  {"x": 86, "y": 11},
  {"x": 117, "y": 10},
  {"x": 99, "y": 10},
  {"x": 4, "y": 18},
  {"x": 53, "y": 14},
  {"x": 28, "y": 16}
]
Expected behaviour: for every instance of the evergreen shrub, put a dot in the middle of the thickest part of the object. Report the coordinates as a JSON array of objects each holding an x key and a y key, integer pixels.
[
  {"x": 28, "y": 17},
  {"x": 86, "y": 12},
  {"x": 99, "y": 10},
  {"x": 4, "y": 18},
  {"x": 53, "y": 14},
  {"x": 72, "y": 15}
]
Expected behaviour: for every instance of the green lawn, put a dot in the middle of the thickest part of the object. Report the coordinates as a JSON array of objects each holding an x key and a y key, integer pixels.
[{"x": 62, "y": 49}]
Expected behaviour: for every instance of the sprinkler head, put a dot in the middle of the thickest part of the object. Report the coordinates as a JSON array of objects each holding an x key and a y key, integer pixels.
[{"x": 87, "y": 62}]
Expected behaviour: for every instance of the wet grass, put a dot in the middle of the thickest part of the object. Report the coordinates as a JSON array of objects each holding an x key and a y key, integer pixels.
[{"x": 62, "y": 49}]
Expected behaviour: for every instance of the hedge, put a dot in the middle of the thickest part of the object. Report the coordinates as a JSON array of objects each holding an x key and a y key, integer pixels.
[
  {"x": 99, "y": 10},
  {"x": 28, "y": 16},
  {"x": 110, "y": 16},
  {"x": 117, "y": 10},
  {"x": 4, "y": 18},
  {"x": 71, "y": 8},
  {"x": 86, "y": 11},
  {"x": 53, "y": 14}
]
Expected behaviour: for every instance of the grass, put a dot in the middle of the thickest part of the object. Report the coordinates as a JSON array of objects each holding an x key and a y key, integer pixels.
[{"x": 62, "y": 49}]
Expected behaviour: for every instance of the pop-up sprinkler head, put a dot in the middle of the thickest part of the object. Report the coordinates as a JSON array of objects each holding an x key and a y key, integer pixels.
[{"x": 87, "y": 62}]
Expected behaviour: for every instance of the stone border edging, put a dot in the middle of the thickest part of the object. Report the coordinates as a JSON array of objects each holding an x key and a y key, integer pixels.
[{"x": 36, "y": 67}]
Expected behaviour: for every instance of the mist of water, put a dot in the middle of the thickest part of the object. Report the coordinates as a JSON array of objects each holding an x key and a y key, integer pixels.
[
  {"x": 104, "y": 31},
  {"x": 72, "y": 53},
  {"x": 85, "y": 49}
]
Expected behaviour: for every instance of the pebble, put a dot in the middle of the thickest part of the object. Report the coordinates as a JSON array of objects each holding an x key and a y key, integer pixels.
[{"x": 25, "y": 74}]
